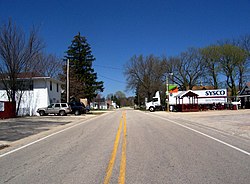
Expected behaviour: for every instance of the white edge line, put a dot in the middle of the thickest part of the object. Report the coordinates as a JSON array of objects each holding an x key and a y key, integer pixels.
[
  {"x": 46, "y": 137},
  {"x": 215, "y": 139}
]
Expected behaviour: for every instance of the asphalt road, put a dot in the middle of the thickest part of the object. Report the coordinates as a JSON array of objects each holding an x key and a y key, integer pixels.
[{"x": 129, "y": 146}]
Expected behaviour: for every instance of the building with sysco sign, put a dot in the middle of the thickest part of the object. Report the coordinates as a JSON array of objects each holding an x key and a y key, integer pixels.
[{"x": 205, "y": 97}]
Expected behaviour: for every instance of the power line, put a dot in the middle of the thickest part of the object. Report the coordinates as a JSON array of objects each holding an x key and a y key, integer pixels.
[
  {"x": 108, "y": 67},
  {"x": 112, "y": 79}
]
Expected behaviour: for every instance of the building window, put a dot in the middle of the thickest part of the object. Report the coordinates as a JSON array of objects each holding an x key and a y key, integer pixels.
[
  {"x": 50, "y": 86},
  {"x": 1, "y": 106},
  {"x": 31, "y": 86},
  {"x": 57, "y": 87}
]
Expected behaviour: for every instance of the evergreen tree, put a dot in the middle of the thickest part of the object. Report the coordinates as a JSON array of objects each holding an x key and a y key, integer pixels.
[{"x": 83, "y": 79}]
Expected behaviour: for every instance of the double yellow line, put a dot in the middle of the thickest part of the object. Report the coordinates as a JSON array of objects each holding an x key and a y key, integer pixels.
[{"x": 122, "y": 174}]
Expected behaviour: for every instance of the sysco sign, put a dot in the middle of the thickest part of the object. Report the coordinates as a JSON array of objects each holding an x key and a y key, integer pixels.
[{"x": 216, "y": 93}]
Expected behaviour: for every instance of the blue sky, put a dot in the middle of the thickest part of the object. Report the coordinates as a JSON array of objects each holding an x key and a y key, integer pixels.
[{"x": 119, "y": 29}]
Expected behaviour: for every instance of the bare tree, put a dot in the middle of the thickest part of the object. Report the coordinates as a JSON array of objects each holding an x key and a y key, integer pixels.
[
  {"x": 49, "y": 65},
  {"x": 232, "y": 62},
  {"x": 17, "y": 55},
  {"x": 187, "y": 69},
  {"x": 109, "y": 96},
  {"x": 244, "y": 42},
  {"x": 244, "y": 67},
  {"x": 145, "y": 74},
  {"x": 211, "y": 57},
  {"x": 120, "y": 98}
]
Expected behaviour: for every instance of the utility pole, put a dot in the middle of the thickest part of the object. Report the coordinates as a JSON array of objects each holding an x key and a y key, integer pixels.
[
  {"x": 167, "y": 91},
  {"x": 167, "y": 95},
  {"x": 68, "y": 80}
]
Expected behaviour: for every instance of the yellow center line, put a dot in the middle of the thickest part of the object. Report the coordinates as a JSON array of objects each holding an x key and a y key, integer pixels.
[
  {"x": 121, "y": 179},
  {"x": 123, "y": 159},
  {"x": 113, "y": 155}
]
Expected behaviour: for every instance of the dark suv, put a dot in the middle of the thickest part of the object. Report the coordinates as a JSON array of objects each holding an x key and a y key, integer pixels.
[{"x": 77, "y": 108}]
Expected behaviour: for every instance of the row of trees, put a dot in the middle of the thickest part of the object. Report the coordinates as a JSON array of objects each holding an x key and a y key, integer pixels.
[
  {"x": 225, "y": 64},
  {"x": 23, "y": 56},
  {"x": 119, "y": 98}
]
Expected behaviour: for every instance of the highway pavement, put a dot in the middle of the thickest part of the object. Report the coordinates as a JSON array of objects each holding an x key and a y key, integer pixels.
[{"x": 128, "y": 146}]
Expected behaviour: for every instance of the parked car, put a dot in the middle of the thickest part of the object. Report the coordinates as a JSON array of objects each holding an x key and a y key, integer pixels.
[
  {"x": 61, "y": 109},
  {"x": 87, "y": 108},
  {"x": 77, "y": 108}
]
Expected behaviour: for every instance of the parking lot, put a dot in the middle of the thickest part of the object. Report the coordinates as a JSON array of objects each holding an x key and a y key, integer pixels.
[
  {"x": 233, "y": 122},
  {"x": 14, "y": 129}
]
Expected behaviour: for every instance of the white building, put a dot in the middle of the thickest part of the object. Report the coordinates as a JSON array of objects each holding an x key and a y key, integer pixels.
[
  {"x": 104, "y": 105},
  {"x": 99, "y": 105},
  {"x": 42, "y": 91}
]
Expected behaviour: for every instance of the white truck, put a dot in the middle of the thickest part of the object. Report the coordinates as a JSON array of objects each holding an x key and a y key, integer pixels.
[{"x": 155, "y": 104}]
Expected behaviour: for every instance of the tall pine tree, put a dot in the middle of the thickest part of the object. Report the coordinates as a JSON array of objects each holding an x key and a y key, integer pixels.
[{"x": 83, "y": 79}]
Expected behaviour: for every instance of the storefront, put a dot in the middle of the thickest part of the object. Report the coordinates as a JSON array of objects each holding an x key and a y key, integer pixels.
[
  {"x": 207, "y": 99},
  {"x": 191, "y": 105},
  {"x": 244, "y": 96}
]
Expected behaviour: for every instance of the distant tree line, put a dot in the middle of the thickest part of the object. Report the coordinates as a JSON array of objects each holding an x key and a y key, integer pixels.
[
  {"x": 224, "y": 64},
  {"x": 120, "y": 99}
]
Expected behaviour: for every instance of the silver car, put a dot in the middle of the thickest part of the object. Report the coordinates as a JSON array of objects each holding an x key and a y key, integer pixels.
[{"x": 61, "y": 109}]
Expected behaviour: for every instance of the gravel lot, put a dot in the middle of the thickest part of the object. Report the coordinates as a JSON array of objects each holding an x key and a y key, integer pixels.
[{"x": 234, "y": 122}]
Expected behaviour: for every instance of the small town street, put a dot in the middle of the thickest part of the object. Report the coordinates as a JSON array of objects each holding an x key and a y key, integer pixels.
[{"x": 134, "y": 147}]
